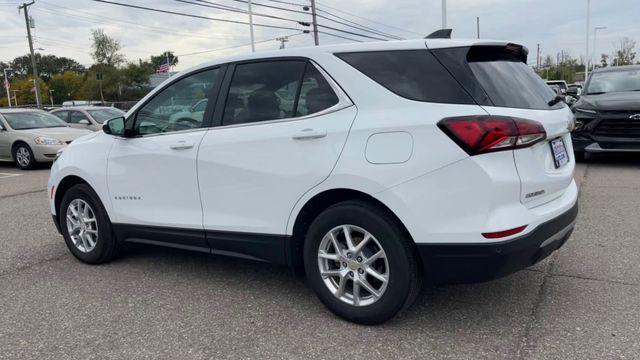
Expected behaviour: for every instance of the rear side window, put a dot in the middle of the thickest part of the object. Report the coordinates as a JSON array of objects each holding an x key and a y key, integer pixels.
[
  {"x": 412, "y": 74},
  {"x": 498, "y": 76},
  {"x": 315, "y": 94}
]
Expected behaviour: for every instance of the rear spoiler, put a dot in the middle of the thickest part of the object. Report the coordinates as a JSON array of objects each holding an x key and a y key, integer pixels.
[{"x": 440, "y": 34}]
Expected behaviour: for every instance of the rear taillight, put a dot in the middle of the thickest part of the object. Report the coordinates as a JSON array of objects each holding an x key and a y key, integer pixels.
[{"x": 486, "y": 133}]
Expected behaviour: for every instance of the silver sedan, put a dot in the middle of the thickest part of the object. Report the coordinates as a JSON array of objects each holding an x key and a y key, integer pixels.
[{"x": 29, "y": 136}]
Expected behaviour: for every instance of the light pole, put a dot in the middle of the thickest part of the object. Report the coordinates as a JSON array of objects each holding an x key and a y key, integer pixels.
[
  {"x": 444, "y": 14},
  {"x": 6, "y": 84},
  {"x": 15, "y": 97},
  {"x": 253, "y": 45},
  {"x": 586, "y": 58},
  {"x": 51, "y": 96},
  {"x": 595, "y": 34}
]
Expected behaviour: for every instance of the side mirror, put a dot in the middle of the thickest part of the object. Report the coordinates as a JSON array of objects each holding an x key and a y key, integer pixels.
[
  {"x": 114, "y": 126},
  {"x": 84, "y": 122}
]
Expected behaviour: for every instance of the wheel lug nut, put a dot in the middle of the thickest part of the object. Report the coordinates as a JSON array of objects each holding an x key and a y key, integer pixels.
[
  {"x": 349, "y": 255},
  {"x": 359, "y": 259},
  {"x": 350, "y": 273},
  {"x": 344, "y": 264},
  {"x": 360, "y": 271}
]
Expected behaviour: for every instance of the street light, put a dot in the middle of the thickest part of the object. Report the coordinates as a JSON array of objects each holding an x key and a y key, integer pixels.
[
  {"x": 51, "y": 96},
  {"x": 595, "y": 34},
  {"x": 586, "y": 55}
]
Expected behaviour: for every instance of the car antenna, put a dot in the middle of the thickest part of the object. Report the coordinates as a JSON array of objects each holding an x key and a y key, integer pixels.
[{"x": 440, "y": 34}]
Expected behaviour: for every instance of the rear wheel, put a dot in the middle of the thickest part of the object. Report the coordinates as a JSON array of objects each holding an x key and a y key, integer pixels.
[
  {"x": 86, "y": 227},
  {"x": 360, "y": 263},
  {"x": 23, "y": 156}
]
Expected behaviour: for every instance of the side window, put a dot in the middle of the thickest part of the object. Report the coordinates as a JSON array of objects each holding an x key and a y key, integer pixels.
[
  {"x": 412, "y": 74},
  {"x": 175, "y": 107},
  {"x": 315, "y": 94},
  {"x": 263, "y": 91},
  {"x": 76, "y": 116},
  {"x": 63, "y": 115}
]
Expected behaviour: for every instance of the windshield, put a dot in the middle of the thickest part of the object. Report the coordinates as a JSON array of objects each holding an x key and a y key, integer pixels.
[
  {"x": 103, "y": 115},
  {"x": 613, "y": 81},
  {"x": 33, "y": 120}
]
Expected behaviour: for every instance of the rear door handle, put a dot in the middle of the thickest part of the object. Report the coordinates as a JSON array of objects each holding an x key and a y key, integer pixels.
[
  {"x": 308, "y": 134},
  {"x": 181, "y": 145}
]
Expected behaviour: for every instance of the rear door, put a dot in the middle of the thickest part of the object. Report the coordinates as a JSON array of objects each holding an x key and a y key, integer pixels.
[
  {"x": 501, "y": 81},
  {"x": 281, "y": 126}
]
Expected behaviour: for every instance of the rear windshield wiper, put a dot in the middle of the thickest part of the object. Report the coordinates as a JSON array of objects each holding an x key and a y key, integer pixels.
[{"x": 555, "y": 100}]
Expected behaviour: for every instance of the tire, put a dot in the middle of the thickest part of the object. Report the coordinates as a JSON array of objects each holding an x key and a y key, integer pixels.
[
  {"x": 401, "y": 266},
  {"x": 105, "y": 247},
  {"x": 23, "y": 156}
]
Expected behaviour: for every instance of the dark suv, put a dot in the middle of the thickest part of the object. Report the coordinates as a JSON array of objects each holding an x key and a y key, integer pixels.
[{"x": 608, "y": 112}]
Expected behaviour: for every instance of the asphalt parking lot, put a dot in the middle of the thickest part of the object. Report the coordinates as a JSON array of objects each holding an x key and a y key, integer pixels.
[{"x": 581, "y": 303}]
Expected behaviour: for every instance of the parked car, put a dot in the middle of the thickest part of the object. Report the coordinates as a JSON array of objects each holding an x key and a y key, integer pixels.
[
  {"x": 574, "y": 90},
  {"x": 397, "y": 163},
  {"x": 608, "y": 112},
  {"x": 87, "y": 117},
  {"x": 560, "y": 84},
  {"x": 29, "y": 136}
]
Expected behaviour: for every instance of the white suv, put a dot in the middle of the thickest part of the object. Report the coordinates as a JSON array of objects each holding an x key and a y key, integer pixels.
[{"x": 371, "y": 167}]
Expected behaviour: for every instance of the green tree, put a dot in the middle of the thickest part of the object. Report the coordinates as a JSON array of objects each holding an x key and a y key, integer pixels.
[
  {"x": 67, "y": 86},
  {"x": 106, "y": 50},
  {"x": 25, "y": 92},
  {"x": 48, "y": 65},
  {"x": 625, "y": 53},
  {"x": 156, "y": 61},
  {"x": 604, "y": 60}
]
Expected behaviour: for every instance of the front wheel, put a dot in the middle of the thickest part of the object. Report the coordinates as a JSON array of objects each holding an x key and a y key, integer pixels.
[
  {"x": 361, "y": 263},
  {"x": 23, "y": 157},
  {"x": 86, "y": 227}
]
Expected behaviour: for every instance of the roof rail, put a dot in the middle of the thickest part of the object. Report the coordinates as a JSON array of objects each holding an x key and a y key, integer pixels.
[{"x": 440, "y": 34}]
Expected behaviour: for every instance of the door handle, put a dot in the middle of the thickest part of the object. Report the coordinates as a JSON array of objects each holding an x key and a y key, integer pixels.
[
  {"x": 308, "y": 134},
  {"x": 181, "y": 145}
]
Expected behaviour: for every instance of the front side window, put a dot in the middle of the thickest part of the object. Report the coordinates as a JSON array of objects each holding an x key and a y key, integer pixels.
[
  {"x": 76, "y": 117},
  {"x": 263, "y": 91},
  {"x": 33, "y": 120},
  {"x": 171, "y": 109},
  {"x": 63, "y": 115}
]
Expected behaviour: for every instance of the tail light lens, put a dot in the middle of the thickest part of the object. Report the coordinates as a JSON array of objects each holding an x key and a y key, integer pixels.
[{"x": 487, "y": 133}]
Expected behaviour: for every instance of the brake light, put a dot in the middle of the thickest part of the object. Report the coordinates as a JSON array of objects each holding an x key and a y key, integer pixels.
[
  {"x": 504, "y": 233},
  {"x": 486, "y": 133}
]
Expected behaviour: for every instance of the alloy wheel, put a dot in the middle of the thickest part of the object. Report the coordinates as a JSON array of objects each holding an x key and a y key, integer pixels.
[
  {"x": 353, "y": 265},
  {"x": 82, "y": 225},
  {"x": 23, "y": 157}
]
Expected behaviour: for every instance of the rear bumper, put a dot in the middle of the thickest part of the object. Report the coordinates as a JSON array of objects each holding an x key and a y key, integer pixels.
[{"x": 463, "y": 263}]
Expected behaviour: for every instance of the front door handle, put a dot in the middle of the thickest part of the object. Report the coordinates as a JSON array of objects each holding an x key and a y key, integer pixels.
[
  {"x": 181, "y": 145},
  {"x": 308, "y": 134}
]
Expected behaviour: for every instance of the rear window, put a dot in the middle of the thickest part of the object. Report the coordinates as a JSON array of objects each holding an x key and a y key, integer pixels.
[
  {"x": 412, "y": 74},
  {"x": 498, "y": 76}
]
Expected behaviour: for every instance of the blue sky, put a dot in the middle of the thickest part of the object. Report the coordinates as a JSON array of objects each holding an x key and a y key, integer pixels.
[{"x": 63, "y": 27}]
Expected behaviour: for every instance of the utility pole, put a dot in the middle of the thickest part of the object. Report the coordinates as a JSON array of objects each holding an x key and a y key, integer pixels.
[
  {"x": 444, "y": 14},
  {"x": 282, "y": 40},
  {"x": 586, "y": 58},
  {"x": 6, "y": 84},
  {"x": 314, "y": 21},
  {"x": 538, "y": 59},
  {"x": 478, "y": 26},
  {"x": 593, "y": 49},
  {"x": 25, "y": 7},
  {"x": 253, "y": 44}
]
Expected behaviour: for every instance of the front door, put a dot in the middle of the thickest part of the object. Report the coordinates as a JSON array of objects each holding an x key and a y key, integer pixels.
[
  {"x": 281, "y": 131},
  {"x": 152, "y": 176}
]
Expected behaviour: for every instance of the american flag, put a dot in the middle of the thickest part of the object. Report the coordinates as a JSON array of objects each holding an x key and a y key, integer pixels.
[{"x": 165, "y": 66}]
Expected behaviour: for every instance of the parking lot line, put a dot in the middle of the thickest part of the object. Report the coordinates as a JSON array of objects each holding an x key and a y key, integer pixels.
[{"x": 8, "y": 175}]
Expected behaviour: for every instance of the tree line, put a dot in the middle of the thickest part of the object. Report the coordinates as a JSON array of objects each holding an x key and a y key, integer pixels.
[
  {"x": 565, "y": 67},
  {"x": 110, "y": 78}
]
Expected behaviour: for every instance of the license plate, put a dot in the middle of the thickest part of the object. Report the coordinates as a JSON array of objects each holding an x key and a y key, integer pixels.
[{"x": 559, "y": 151}]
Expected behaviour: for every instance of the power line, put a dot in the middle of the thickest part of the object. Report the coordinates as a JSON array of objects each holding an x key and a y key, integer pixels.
[
  {"x": 193, "y": 15},
  {"x": 361, "y": 28},
  {"x": 288, "y": 3},
  {"x": 237, "y": 10},
  {"x": 366, "y": 19},
  {"x": 235, "y": 46},
  {"x": 340, "y": 36},
  {"x": 351, "y": 33},
  {"x": 267, "y": 6}
]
